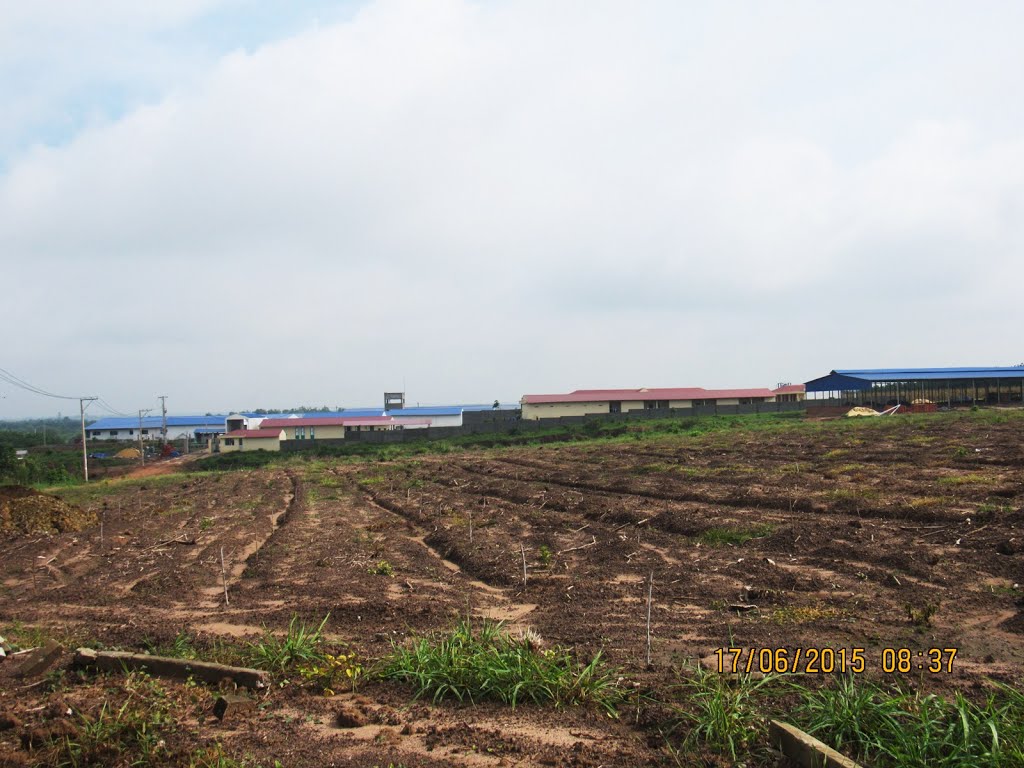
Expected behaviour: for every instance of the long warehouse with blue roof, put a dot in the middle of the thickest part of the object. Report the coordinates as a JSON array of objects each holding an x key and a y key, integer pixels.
[{"x": 944, "y": 386}]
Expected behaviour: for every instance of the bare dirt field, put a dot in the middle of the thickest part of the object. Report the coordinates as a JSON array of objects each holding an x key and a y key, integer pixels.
[{"x": 877, "y": 534}]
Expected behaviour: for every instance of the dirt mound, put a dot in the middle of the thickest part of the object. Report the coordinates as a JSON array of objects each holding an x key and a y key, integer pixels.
[
  {"x": 128, "y": 453},
  {"x": 25, "y": 511}
]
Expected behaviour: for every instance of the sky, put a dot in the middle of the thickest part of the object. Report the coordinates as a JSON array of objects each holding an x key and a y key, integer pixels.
[{"x": 245, "y": 204}]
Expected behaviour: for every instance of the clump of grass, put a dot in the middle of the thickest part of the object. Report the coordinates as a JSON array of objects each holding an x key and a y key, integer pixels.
[
  {"x": 725, "y": 713},
  {"x": 803, "y": 614},
  {"x": 382, "y": 568},
  {"x": 890, "y": 728},
  {"x": 485, "y": 662},
  {"x": 927, "y": 501},
  {"x": 649, "y": 469},
  {"x": 972, "y": 478},
  {"x": 922, "y": 617},
  {"x": 300, "y": 645},
  {"x": 849, "y": 716},
  {"x": 722, "y": 536}
]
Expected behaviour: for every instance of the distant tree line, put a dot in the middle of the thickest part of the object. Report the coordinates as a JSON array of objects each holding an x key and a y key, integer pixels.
[
  {"x": 27, "y": 433},
  {"x": 48, "y": 467}
]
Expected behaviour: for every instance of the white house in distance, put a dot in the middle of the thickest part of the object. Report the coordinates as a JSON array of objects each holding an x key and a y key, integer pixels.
[
  {"x": 128, "y": 428},
  {"x": 583, "y": 402}
]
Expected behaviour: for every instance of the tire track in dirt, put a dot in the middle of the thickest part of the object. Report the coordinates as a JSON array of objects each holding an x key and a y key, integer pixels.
[
  {"x": 212, "y": 610},
  {"x": 496, "y": 605},
  {"x": 750, "y": 499}
]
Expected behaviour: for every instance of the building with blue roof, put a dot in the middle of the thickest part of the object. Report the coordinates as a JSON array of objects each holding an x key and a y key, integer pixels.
[{"x": 944, "y": 386}]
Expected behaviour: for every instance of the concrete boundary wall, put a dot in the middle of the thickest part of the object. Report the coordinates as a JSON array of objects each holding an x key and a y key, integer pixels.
[{"x": 504, "y": 422}]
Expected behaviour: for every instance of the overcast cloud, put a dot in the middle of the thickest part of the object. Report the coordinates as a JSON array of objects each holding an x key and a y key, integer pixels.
[{"x": 242, "y": 208}]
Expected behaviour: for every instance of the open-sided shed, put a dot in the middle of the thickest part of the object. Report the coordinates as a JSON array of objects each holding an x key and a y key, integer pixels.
[{"x": 949, "y": 386}]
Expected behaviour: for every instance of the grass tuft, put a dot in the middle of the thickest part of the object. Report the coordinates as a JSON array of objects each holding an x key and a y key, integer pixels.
[
  {"x": 301, "y": 645},
  {"x": 471, "y": 665},
  {"x": 890, "y": 728},
  {"x": 723, "y": 536},
  {"x": 723, "y": 712}
]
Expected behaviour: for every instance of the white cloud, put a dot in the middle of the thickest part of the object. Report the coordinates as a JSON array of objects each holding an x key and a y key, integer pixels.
[{"x": 500, "y": 197}]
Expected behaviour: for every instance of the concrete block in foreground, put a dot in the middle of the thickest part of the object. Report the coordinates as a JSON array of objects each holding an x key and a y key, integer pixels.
[
  {"x": 805, "y": 750},
  {"x": 162, "y": 666},
  {"x": 231, "y": 706},
  {"x": 34, "y": 662}
]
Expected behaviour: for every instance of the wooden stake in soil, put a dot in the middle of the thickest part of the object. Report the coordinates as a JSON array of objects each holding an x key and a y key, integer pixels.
[
  {"x": 470, "y": 526},
  {"x": 103, "y": 514},
  {"x": 523, "y": 549},
  {"x": 650, "y": 593},
  {"x": 224, "y": 575}
]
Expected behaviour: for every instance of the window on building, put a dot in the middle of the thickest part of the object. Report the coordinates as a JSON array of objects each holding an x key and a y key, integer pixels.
[
  {"x": 145, "y": 431},
  {"x": 615, "y": 406},
  {"x": 300, "y": 433},
  {"x": 113, "y": 433},
  {"x": 312, "y": 433},
  {"x": 229, "y": 441},
  {"x": 703, "y": 402}
]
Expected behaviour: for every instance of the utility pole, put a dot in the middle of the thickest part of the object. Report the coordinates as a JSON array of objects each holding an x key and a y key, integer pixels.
[
  {"x": 142, "y": 447},
  {"x": 85, "y": 450},
  {"x": 163, "y": 426}
]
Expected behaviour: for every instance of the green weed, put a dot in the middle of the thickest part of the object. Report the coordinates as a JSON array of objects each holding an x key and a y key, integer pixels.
[
  {"x": 382, "y": 568},
  {"x": 731, "y": 536}
]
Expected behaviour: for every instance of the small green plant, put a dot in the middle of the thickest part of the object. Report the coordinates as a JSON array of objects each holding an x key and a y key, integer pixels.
[
  {"x": 382, "y": 568},
  {"x": 334, "y": 669},
  {"x": 960, "y": 452},
  {"x": 300, "y": 645},
  {"x": 922, "y": 617},
  {"x": 546, "y": 555},
  {"x": 205, "y": 524}
]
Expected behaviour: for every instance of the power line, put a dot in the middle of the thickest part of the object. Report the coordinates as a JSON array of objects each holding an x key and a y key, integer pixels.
[
  {"x": 10, "y": 378},
  {"x": 111, "y": 409}
]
